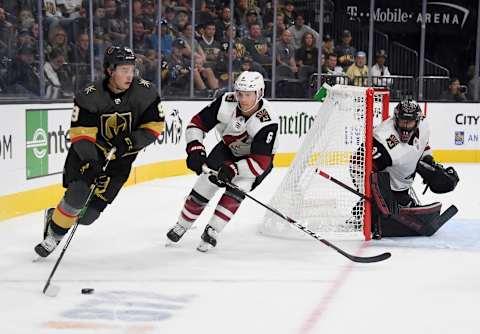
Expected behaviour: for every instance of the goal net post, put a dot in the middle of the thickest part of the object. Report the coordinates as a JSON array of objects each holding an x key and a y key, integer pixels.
[{"x": 340, "y": 137}]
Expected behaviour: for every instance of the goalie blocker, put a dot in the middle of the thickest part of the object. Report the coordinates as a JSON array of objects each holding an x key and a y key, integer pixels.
[{"x": 391, "y": 218}]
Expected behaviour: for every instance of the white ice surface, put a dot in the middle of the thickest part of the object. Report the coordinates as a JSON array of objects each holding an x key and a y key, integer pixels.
[{"x": 249, "y": 284}]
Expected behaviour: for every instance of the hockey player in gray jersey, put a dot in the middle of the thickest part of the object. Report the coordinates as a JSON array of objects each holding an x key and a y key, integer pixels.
[
  {"x": 248, "y": 128},
  {"x": 400, "y": 150}
]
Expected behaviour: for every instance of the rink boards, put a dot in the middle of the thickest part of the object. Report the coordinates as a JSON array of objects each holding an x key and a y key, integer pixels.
[{"x": 34, "y": 140}]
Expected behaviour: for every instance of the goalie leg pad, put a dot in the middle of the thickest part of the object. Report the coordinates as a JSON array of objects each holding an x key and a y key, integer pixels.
[
  {"x": 414, "y": 221},
  {"x": 382, "y": 193}
]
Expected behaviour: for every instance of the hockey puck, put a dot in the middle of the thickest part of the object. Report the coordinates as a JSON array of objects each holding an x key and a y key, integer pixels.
[{"x": 87, "y": 291}]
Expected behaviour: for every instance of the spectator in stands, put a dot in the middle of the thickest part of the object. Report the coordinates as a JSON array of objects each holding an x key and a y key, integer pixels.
[
  {"x": 186, "y": 35},
  {"x": 331, "y": 66},
  {"x": 222, "y": 67},
  {"x": 178, "y": 70},
  {"x": 148, "y": 16},
  {"x": 58, "y": 40},
  {"x": 307, "y": 54},
  {"x": 285, "y": 54},
  {"x": 24, "y": 36},
  {"x": 181, "y": 19},
  {"x": 141, "y": 41},
  {"x": 231, "y": 33},
  {"x": 210, "y": 46},
  {"x": 149, "y": 63},
  {"x": 99, "y": 31},
  {"x": 333, "y": 73},
  {"x": 137, "y": 9},
  {"x": 57, "y": 77},
  {"x": 298, "y": 31},
  {"x": 257, "y": 46},
  {"x": 357, "y": 72},
  {"x": 116, "y": 29},
  {"x": 240, "y": 11},
  {"x": 222, "y": 23},
  {"x": 268, "y": 31},
  {"x": 206, "y": 74},
  {"x": 80, "y": 57},
  {"x": 25, "y": 19},
  {"x": 381, "y": 70},
  {"x": 207, "y": 13},
  {"x": 7, "y": 35},
  {"x": 473, "y": 83},
  {"x": 250, "y": 18},
  {"x": 289, "y": 13},
  {"x": 345, "y": 51},
  {"x": 169, "y": 16},
  {"x": 166, "y": 39},
  {"x": 328, "y": 45},
  {"x": 22, "y": 75},
  {"x": 455, "y": 91}
]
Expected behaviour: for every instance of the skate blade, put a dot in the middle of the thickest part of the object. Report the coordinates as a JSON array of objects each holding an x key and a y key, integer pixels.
[
  {"x": 52, "y": 291},
  {"x": 204, "y": 247}
]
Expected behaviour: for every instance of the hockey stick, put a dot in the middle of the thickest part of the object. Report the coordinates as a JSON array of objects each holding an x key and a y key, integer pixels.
[
  {"x": 354, "y": 258},
  {"x": 341, "y": 184},
  {"x": 52, "y": 290}
]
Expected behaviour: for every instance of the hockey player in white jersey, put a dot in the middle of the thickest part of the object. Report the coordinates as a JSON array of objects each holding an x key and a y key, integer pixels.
[
  {"x": 248, "y": 127},
  {"x": 400, "y": 150}
]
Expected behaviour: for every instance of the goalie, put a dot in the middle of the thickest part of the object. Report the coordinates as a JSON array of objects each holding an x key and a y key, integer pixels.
[{"x": 400, "y": 150}]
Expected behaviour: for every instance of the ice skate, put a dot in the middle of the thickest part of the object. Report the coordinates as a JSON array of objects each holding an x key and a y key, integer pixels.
[
  {"x": 209, "y": 239},
  {"x": 50, "y": 238},
  {"x": 175, "y": 234}
]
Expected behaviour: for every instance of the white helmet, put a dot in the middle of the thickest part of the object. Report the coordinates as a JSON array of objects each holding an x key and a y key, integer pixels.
[{"x": 250, "y": 82}]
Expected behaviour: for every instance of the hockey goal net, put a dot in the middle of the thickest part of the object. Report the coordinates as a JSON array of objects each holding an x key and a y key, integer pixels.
[{"x": 343, "y": 124}]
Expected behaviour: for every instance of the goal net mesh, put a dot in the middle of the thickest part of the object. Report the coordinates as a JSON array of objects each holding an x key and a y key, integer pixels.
[{"x": 339, "y": 130}]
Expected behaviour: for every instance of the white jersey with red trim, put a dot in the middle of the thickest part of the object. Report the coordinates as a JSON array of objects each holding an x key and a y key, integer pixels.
[
  {"x": 253, "y": 139},
  {"x": 237, "y": 131},
  {"x": 399, "y": 159}
]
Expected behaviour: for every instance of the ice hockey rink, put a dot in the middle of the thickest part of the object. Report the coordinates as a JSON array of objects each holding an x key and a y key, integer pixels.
[{"x": 250, "y": 283}]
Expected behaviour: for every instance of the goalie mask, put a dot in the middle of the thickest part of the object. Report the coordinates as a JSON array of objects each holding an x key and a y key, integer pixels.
[
  {"x": 407, "y": 118},
  {"x": 250, "y": 82}
]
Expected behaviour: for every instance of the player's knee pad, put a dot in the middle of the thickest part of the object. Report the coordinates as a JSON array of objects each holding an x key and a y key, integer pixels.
[
  {"x": 204, "y": 187},
  {"x": 90, "y": 215},
  {"x": 94, "y": 209},
  {"x": 77, "y": 194}
]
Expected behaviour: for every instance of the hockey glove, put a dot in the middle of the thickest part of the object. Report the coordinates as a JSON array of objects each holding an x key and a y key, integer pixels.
[
  {"x": 89, "y": 170},
  {"x": 227, "y": 172},
  {"x": 123, "y": 143},
  {"x": 196, "y": 156}
]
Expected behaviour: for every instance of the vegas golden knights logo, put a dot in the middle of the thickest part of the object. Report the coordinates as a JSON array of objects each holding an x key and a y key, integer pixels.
[{"x": 113, "y": 124}]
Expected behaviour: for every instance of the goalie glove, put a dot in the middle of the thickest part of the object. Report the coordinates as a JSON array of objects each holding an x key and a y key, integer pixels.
[{"x": 440, "y": 180}]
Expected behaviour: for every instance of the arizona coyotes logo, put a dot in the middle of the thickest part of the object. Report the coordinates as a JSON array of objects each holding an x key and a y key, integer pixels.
[
  {"x": 113, "y": 124},
  {"x": 263, "y": 116},
  {"x": 392, "y": 141}
]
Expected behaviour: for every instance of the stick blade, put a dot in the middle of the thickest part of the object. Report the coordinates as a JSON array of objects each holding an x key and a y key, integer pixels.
[
  {"x": 51, "y": 290},
  {"x": 369, "y": 259}
]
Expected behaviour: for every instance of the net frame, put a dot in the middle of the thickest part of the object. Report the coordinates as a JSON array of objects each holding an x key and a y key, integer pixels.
[{"x": 299, "y": 174}]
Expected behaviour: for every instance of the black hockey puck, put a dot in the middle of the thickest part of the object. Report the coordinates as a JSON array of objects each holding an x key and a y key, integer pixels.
[{"x": 87, "y": 291}]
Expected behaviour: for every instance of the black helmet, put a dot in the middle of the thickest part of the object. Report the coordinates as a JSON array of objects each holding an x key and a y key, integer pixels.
[
  {"x": 408, "y": 110},
  {"x": 117, "y": 55}
]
